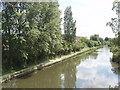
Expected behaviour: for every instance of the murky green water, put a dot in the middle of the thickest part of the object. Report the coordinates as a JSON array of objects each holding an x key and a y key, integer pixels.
[{"x": 92, "y": 70}]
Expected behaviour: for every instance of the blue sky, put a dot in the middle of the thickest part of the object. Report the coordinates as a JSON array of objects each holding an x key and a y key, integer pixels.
[{"x": 91, "y": 16}]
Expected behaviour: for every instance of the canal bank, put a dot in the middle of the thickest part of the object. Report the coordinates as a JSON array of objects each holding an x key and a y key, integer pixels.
[
  {"x": 88, "y": 70},
  {"x": 40, "y": 66}
]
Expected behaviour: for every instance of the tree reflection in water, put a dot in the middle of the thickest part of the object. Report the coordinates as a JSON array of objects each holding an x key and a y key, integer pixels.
[
  {"x": 71, "y": 73},
  {"x": 59, "y": 75},
  {"x": 116, "y": 70}
]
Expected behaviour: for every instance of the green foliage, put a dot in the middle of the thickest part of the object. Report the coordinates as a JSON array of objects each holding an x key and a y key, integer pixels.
[
  {"x": 30, "y": 31},
  {"x": 115, "y": 49},
  {"x": 69, "y": 26},
  {"x": 101, "y": 41},
  {"x": 111, "y": 42},
  {"x": 106, "y": 38},
  {"x": 116, "y": 54},
  {"x": 89, "y": 43},
  {"x": 77, "y": 46},
  {"x": 94, "y": 37},
  {"x": 114, "y": 24},
  {"x": 97, "y": 38},
  {"x": 96, "y": 43},
  {"x": 115, "y": 42}
]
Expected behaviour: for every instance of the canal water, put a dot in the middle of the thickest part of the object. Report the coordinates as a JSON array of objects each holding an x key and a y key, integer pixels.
[{"x": 91, "y": 70}]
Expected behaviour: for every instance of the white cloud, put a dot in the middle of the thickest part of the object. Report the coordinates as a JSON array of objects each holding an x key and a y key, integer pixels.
[
  {"x": 91, "y": 78},
  {"x": 91, "y": 16},
  {"x": 92, "y": 63},
  {"x": 97, "y": 72}
]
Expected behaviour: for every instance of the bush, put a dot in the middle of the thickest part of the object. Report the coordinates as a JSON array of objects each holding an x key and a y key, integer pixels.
[{"x": 116, "y": 54}]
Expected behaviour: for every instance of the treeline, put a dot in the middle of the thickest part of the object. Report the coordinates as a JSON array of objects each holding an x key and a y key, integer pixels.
[
  {"x": 115, "y": 42},
  {"x": 31, "y": 32}
]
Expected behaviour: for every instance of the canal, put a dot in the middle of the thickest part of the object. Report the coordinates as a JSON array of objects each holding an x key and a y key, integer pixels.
[{"x": 91, "y": 70}]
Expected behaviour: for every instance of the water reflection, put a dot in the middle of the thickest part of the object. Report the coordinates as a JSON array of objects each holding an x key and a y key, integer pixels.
[
  {"x": 97, "y": 72},
  {"x": 89, "y": 70},
  {"x": 115, "y": 68}
]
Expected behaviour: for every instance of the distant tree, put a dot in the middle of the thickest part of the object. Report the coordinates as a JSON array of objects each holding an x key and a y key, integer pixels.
[
  {"x": 88, "y": 42},
  {"x": 94, "y": 37},
  {"x": 97, "y": 38},
  {"x": 106, "y": 38},
  {"x": 69, "y": 25},
  {"x": 101, "y": 40}
]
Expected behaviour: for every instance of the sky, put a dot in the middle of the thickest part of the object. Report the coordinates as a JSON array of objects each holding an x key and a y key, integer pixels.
[{"x": 91, "y": 16}]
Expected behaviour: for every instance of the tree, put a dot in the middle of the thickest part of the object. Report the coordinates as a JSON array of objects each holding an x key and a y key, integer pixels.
[
  {"x": 87, "y": 42},
  {"x": 94, "y": 37},
  {"x": 30, "y": 31},
  {"x": 13, "y": 26},
  {"x": 101, "y": 40},
  {"x": 106, "y": 38},
  {"x": 69, "y": 26},
  {"x": 97, "y": 38},
  {"x": 115, "y": 22},
  {"x": 115, "y": 26}
]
